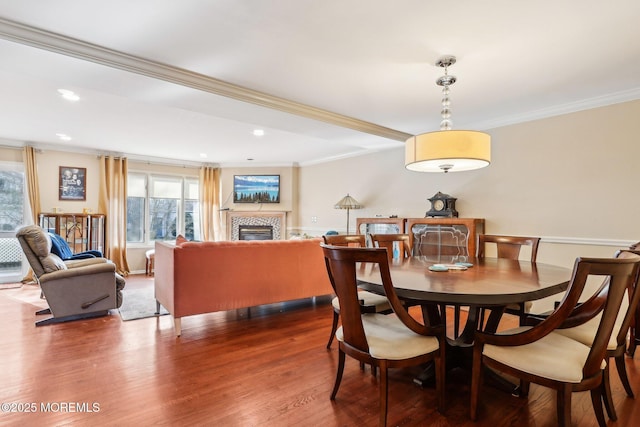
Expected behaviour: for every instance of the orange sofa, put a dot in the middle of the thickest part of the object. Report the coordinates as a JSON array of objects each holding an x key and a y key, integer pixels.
[{"x": 202, "y": 277}]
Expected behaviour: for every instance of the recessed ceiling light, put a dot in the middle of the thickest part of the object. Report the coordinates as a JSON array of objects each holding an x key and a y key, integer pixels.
[
  {"x": 203, "y": 155},
  {"x": 258, "y": 132},
  {"x": 69, "y": 95},
  {"x": 63, "y": 136}
]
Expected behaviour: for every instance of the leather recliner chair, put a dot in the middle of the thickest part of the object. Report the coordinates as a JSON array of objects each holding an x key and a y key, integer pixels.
[{"x": 73, "y": 289}]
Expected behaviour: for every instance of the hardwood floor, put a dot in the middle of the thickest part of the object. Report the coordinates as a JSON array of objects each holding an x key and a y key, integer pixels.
[{"x": 229, "y": 369}]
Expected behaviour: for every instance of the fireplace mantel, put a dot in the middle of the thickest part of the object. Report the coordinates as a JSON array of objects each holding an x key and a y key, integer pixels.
[{"x": 276, "y": 219}]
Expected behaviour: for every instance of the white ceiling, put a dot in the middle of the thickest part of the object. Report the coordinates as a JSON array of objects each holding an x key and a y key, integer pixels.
[{"x": 369, "y": 62}]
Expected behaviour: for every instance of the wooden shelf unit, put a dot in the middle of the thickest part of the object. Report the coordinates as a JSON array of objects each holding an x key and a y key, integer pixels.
[{"x": 82, "y": 232}]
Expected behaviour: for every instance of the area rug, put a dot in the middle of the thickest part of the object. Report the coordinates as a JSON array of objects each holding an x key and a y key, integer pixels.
[{"x": 139, "y": 303}]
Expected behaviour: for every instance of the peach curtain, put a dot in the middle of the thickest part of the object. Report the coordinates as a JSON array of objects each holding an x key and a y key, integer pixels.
[
  {"x": 33, "y": 192},
  {"x": 209, "y": 202},
  {"x": 113, "y": 202},
  {"x": 31, "y": 174}
]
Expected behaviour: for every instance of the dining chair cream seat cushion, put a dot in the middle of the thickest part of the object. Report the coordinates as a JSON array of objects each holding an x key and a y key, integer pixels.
[
  {"x": 366, "y": 298},
  {"x": 587, "y": 331},
  {"x": 390, "y": 339},
  {"x": 554, "y": 356}
]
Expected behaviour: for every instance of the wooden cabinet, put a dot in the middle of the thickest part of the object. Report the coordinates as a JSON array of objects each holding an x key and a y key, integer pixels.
[
  {"x": 82, "y": 232},
  {"x": 432, "y": 237},
  {"x": 435, "y": 237},
  {"x": 380, "y": 225}
]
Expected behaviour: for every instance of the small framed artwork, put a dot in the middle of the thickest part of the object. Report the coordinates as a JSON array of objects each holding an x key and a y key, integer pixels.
[
  {"x": 256, "y": 189},
  {"x": 73, "y": 183}
]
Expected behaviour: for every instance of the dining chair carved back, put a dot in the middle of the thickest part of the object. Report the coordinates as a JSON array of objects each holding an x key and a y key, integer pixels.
[
  {"x": 388, "y": 241},
  {"x": 384, "y": 341},
  {"x": 509, "y": 247},
  {"x": 369, "y": 302},
  {"x": 541, "y": 355}
]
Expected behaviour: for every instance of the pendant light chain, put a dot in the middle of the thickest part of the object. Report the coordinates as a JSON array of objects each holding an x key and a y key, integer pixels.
[{"x": 446, "y": 81}]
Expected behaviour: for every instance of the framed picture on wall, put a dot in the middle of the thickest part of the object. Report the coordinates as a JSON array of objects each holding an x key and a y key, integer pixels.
[
  {"x": 256, "y": 189},
  {"x": 73, "y": 183}
]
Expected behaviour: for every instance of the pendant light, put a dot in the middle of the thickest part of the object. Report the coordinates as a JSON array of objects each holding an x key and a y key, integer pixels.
[{"x": 447, "y": 150}]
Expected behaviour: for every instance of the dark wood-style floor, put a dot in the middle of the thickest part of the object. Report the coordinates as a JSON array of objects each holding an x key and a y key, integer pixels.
[{"x": 228, "y": 369}]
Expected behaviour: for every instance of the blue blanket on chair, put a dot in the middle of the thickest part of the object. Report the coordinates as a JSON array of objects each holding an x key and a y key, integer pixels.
[{"x": 60, "y": 247}]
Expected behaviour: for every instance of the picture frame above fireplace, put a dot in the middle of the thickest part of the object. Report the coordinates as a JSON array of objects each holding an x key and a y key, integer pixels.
[{"x": 256, "y": 189}]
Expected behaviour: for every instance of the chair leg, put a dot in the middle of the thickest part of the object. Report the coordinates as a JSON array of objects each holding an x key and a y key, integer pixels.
[
  {"x": 563, "y": 406},
  {"x": 607, "y": 397},
  {"x": 334, "y": 328},
  {"x": 440, "y": 383},
  {"x": 596, "y": 400},
  {"x": 622, "y": 372},
  {"x": 476, "y": 383},
  {"x": 336, "y": 386},
  {"x": 383, "y": 392}
]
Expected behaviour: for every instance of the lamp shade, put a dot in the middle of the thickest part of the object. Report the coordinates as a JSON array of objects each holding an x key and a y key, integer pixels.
[
  {"x": 348, "y": 202},
  {"x": 448, "y": 150}
]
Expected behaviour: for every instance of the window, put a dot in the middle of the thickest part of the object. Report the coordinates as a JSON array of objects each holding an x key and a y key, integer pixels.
[
  {"x": 12, "y": 217},
  {"x": 161, "y": 207}
]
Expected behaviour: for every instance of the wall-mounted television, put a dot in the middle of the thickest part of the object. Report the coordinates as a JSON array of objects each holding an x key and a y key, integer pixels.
[{"x": 256, "y": 189}]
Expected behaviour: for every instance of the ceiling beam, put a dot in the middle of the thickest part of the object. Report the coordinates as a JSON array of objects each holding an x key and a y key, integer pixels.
[{"x": 53, "y": 42}]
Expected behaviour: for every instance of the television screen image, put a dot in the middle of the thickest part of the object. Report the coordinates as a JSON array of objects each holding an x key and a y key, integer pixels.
[{"x": 256, "y": 189}]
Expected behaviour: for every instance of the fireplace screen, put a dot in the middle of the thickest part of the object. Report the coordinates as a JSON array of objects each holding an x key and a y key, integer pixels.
[{"x": 255, "y": 232}]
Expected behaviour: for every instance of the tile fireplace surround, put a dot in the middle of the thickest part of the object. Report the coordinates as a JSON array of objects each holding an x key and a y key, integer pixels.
[{"x": 237, "y": 218}]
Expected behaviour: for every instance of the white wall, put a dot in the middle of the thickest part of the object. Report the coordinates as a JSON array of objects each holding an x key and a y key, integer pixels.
[{"x": 570, "y": 179}]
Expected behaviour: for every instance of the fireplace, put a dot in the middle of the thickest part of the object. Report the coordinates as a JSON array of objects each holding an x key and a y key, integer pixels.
[
  {"x": 256, "y": 220},
  {"x": 255, "y": 232}
]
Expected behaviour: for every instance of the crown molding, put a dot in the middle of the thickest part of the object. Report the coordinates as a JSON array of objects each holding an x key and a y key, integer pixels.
[
  {"x": 53, "y": 42},
  {"x": 557, "y": 110}
]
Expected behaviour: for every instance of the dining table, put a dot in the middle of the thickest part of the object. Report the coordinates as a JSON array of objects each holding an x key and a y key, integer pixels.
[{"x": 477, "y": 283}]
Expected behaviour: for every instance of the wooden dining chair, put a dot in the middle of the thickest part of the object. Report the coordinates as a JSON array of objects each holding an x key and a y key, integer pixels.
[
  {"x": 634, "y": 331},
  {"x": 541, "y": 355},
  {"x": 509, "y": 247},
  {"x": 369, "y": 302},
  {"x": 617, "y": 343},
  {"x": 404, "y": 251},
  {"x": 388, "y": 241},
  {"x": 385, "y": 341}
]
